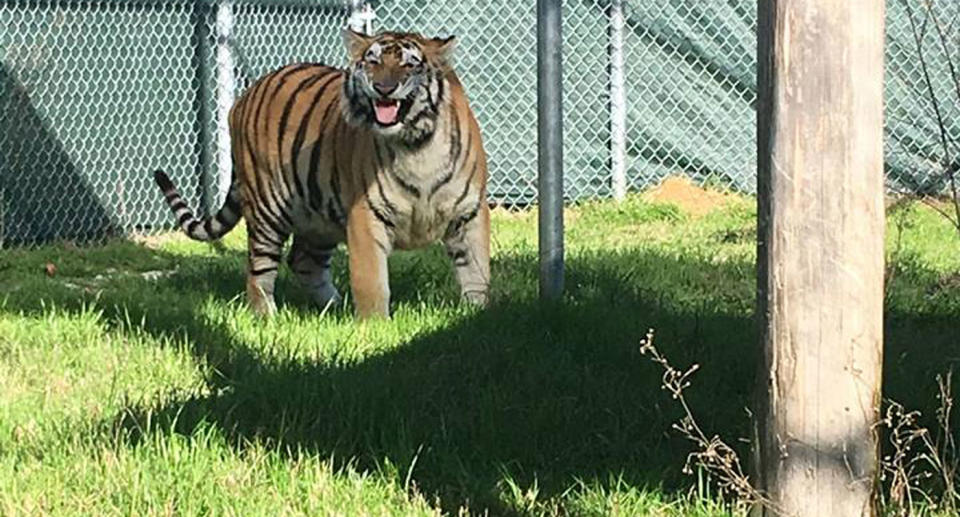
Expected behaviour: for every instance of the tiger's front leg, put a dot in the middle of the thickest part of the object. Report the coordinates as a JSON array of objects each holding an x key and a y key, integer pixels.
[
  {"x": 310, "y": 260},
  {"x": 368, "y": 246},
  {"x": 468, "y": 246}
]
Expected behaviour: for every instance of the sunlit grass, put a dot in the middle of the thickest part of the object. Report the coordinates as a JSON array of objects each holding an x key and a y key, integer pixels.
[{"x": 134, "y": 381}]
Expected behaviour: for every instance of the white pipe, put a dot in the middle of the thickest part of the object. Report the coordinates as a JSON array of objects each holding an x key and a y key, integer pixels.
[
  {"x": 618, "y": 104},
  {"x": 226, "y": 89},
  {"x": 361, "y": 17}
]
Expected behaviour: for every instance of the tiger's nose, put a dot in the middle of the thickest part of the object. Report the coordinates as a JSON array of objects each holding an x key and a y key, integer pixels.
[{"x": 385, "y": 87}]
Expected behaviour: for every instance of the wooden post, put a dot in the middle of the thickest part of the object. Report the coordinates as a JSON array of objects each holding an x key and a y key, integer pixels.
[{"x": 820, "y": 253}]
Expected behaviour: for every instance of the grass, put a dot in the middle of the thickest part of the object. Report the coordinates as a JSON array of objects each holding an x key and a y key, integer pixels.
[{"x": 135, "y": 382}]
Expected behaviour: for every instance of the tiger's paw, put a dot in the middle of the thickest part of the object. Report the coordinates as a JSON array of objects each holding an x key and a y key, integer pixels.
[
  {"x": 476, "y": 297},
  {"x": 326, "y": 296},
  {"x": 263, "y": 308}
]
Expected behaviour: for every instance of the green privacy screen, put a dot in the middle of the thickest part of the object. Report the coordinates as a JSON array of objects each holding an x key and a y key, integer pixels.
[{"x": 94, "y": 95}]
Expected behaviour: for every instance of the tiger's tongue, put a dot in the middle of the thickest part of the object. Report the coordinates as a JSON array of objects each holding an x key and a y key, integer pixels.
[{"x": 386, "y": 111}]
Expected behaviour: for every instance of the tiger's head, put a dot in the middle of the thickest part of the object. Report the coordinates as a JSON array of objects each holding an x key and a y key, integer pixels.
[{"x": 396, "y": 83}]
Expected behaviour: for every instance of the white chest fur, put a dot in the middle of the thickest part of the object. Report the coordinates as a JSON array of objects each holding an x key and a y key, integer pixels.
[{"x": 424, "y": 186}]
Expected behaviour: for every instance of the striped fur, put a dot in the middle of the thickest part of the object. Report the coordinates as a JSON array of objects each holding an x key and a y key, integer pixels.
[
  {"x": 385, "y": 154},
  {"x": 202, "y": 230}
]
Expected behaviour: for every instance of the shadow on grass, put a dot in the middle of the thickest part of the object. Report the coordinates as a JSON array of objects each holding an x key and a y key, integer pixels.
[
  {"x": 546, "y": 393},
  {"x": 32, "y": 161}
]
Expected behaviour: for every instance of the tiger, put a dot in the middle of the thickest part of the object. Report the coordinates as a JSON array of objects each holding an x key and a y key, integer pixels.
[{"x": 384, "y": 154}]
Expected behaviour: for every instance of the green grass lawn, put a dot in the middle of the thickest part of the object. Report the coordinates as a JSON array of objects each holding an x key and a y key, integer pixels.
[{"x": 135, "y": 382}]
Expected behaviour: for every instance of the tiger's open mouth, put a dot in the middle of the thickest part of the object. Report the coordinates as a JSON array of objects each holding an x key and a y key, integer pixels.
[{"x": 386, "y": 111}]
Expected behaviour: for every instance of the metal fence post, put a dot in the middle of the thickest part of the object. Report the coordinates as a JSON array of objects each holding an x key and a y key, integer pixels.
[
  {"x": 550, "y": 147},
  {"x": 204, "y": 104},
  {"x": 361, "y": 17},
  {"x": 618, "y": 104},
  {"x": 226, "y": 88}
]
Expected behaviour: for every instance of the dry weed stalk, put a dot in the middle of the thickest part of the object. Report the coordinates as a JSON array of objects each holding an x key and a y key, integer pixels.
[
  {"x": 712, "y": 454},
  {"x": 946, "y": 444},
  {"x": 921, "y": 471},
  {"x": 917, "y": 461},
  {"x": 904, "y": 469}
]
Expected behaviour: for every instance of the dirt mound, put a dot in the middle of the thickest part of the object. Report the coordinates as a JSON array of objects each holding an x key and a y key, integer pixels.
[{"x": 691, "y": 198}]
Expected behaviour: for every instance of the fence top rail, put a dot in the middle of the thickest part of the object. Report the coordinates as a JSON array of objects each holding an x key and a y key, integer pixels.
[{"x": 338, "y": 5}]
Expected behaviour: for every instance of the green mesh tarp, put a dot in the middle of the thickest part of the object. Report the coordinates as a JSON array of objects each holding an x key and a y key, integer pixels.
[{"x": 94, "y": 95}]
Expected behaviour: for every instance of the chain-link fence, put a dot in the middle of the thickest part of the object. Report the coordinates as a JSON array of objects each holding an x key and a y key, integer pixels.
[{"x": 96, "y": 94}]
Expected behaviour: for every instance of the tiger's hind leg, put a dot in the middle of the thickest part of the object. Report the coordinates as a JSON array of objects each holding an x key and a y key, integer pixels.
[
  {"x": 262, "y": 264},
  {"x": 264, "y": 248},
  {"x": 310, "y": 260}
]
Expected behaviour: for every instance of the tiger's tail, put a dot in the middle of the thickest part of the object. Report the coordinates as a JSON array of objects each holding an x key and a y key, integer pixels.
[{"x": 209, "y": 229}]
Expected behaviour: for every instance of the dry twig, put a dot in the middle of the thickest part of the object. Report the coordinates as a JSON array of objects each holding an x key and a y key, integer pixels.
[{"x": 712, "y": 454}]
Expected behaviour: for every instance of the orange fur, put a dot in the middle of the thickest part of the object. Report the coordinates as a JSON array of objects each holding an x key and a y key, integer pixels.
[{"x": 312, "y": 160}]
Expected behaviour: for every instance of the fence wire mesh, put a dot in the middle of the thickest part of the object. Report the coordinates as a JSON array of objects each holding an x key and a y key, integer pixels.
[{"x": 96, "y": 94}]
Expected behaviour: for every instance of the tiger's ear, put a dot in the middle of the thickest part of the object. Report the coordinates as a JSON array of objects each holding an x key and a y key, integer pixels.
[
  {"x": 355, "y": 42},
  {"x": 442, "y": 48}
]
